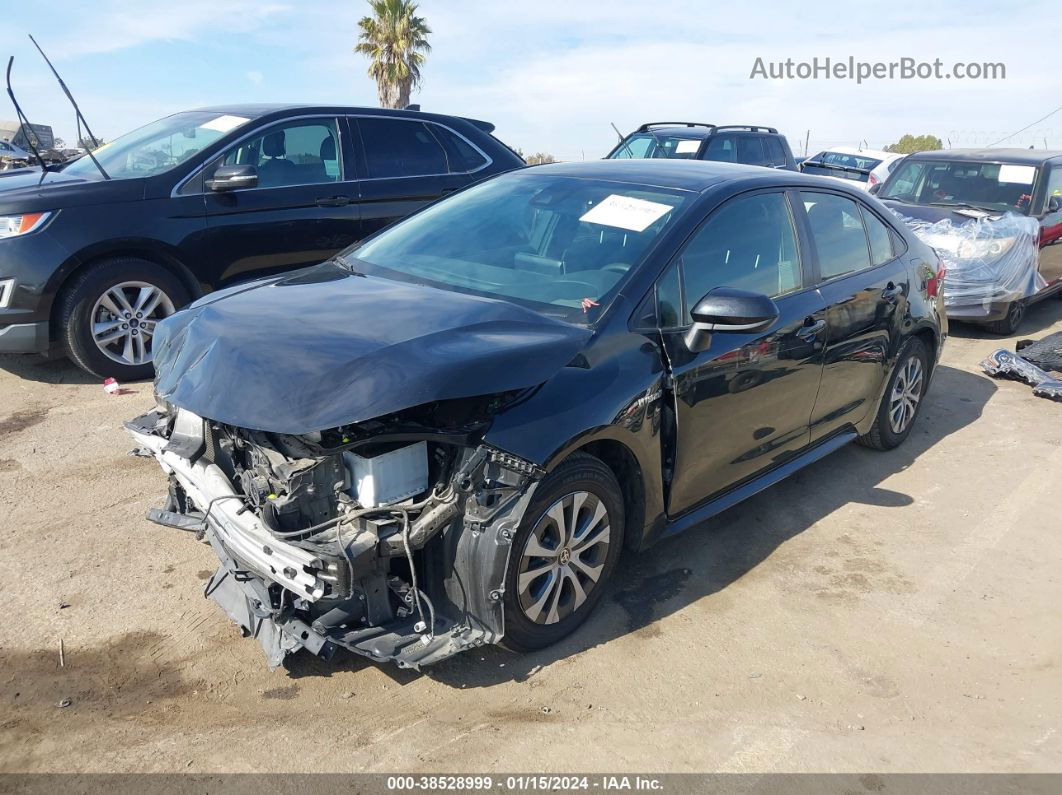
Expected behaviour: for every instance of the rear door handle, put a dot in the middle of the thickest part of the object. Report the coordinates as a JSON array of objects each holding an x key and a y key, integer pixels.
[
  {"x": 810, "y": 329},
  {"x": 333, "y": 201},
  {"x": 891, "y": 293}
]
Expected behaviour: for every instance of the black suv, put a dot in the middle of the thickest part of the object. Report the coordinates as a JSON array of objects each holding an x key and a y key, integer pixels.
[
  {"x": 991, "y": 277},
  {"x": 689, "y": 140},
  {"x": 96, "y": 252}
]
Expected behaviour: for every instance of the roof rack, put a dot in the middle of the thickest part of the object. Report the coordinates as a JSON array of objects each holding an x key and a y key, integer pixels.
[
  {"x": 750, "y": 127},
  {"x": 645, "y": 127}
]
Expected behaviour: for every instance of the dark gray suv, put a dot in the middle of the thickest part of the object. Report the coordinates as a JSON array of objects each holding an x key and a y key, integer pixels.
[{"x": 689, "y": 140}]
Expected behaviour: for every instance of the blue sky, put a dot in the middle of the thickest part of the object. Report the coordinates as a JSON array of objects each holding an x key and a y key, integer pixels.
[{"x": 553, "y": 74}]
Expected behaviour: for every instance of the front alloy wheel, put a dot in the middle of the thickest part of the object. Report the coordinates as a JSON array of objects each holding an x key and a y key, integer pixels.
[
  {"x": 107, "y": 314},
  {"x": 563, "y": 557},
  {"x": 563, "y": 554},
  {"x": 123, "y": 321}
]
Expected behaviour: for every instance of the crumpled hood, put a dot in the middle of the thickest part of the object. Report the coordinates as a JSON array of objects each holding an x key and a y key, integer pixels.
[{"x": 324, "y": 347}]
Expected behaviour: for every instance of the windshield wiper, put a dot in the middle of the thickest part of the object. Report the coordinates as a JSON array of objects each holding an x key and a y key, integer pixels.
[
  {"x": 971, "y": 205},
  {"x": 24, "y": 123},
  {"x": 80, "y": 116},
  {"x": 624, "y": 141}
]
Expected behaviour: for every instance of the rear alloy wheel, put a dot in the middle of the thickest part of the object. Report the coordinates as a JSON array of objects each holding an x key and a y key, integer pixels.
[
  {"x": 563, "y": 554},
  {"x": 1009, "y": 324},
  {"x": 108, "y": 315},
  {"x": 903, "y": 398}
]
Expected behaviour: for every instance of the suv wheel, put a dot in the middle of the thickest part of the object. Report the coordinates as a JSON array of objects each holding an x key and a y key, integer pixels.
[
  {"x": 903, "y": 398},
  {"x": 108, "y": 313},
  {"x": 564, "y": 553},
  {"x": 1009, "y": 324}
]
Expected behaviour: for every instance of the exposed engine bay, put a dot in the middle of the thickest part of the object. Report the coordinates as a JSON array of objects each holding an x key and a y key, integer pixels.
[{"x": 388, "y": 537}]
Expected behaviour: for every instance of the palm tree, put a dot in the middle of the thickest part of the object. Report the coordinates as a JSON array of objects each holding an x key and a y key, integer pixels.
[{"x": 395, "y": 40}]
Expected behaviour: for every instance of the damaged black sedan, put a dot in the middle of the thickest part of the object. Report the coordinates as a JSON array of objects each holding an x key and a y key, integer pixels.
[{"x": 446, "y": 435}]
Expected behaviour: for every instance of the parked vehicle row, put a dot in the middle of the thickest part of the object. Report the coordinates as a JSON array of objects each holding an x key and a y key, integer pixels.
[{"x": 409, "y": 424}]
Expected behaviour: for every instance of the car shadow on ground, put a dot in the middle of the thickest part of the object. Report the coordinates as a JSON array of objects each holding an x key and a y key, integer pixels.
[
  {"x": 683, "y": 570},
  {"x": 1038, "y": 318},
  {"x": 44, "y": 370}
]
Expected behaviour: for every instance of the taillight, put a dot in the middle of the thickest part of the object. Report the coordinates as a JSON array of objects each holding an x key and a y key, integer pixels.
[
  {"x": 872, "y": 181},
  {"x": 936, "y": 281}
]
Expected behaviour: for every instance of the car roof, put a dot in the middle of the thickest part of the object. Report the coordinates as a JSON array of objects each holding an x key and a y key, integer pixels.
[
  {"x": 700, "y": 130},
  {"x": 1030, "y": 157},
  {"x": 689, "y": 175},
  {"x": 259, "y": 110}
]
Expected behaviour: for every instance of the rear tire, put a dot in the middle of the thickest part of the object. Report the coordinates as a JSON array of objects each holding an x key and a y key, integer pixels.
[
  {"x": 1009, "y": 324},
  {"x": 563, "y": 554},
  {"x": 108, "y": 312},
  {"x": 902, "y": 399}
]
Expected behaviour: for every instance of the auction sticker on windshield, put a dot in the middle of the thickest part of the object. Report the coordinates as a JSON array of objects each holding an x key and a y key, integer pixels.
[
  {"x": 224, "y": 123},
  {"x": 687, "y": 146},
  {"x": 1020, "y": 175},
  {"x": 625, "y": 212}
]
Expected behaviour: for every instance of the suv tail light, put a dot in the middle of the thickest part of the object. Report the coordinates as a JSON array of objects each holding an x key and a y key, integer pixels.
[{"x": 872, "y": 181}]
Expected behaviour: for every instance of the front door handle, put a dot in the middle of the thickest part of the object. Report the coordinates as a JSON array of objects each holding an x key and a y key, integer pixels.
[
  {"x": 333, "y": 201},
  {"x": 891, "y": 293},
  {"x": 810, "y": 329}
]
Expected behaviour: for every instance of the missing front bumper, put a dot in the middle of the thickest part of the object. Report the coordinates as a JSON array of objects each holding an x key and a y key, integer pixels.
[{"x": 285, "y": 596}]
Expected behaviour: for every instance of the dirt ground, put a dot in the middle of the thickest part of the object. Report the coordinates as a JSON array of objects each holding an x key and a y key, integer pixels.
[{"x": 878, "y": 612}]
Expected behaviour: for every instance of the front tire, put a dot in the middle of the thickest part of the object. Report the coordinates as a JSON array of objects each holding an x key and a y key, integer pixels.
[
  {"x": 563, "y": 554},
  {"x": 108, "y": 313},
  {"x": 902, "y": 400}
]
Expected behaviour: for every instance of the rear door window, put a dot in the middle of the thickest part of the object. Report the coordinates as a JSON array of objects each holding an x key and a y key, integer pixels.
[
  {"x": 722, "y": 148},
  {"x": 837, "y": 228},
  {"x": 400, "y": 148}
]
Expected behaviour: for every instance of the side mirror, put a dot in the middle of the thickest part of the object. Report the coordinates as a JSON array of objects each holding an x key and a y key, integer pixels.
[
  {"x": 1054, "y": 204},
  {"x": 726, "y": 309},
  {"x": 873, "y": 189},
  {"x": 233, "y": 177}
]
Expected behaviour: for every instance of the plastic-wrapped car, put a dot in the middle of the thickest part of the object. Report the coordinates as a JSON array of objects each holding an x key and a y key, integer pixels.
[{"x": 995, "y": 218}]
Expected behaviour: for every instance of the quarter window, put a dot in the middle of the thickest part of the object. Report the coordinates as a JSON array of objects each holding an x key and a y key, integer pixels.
[
  {"x": 879, "y": 237},
  {"x": 750, "y": 244},
  {"x": 837, "y": 227},
  {"x": 299, "y": 153},
  {"x": 461, "y": 155},
  {"x": 774, "y": 151},
  {"x": 400, "y": 148}
]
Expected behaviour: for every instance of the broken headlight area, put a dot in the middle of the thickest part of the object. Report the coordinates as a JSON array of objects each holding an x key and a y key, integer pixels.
[{"x": 389, "y": 538}]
